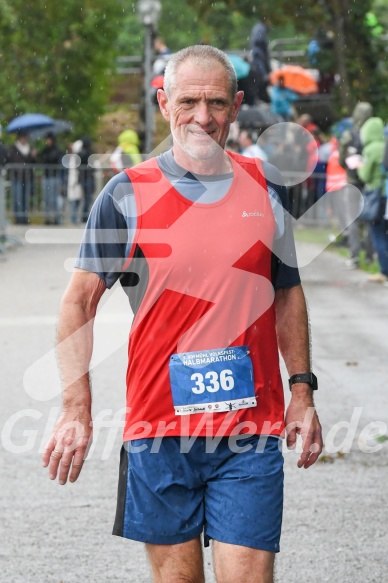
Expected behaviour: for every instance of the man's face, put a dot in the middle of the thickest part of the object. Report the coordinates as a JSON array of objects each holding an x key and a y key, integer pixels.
[{"x": 200, "y": 109}]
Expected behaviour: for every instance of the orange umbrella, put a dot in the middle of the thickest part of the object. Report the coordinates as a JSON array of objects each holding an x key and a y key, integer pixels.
[{"x": 296, "y": 78}]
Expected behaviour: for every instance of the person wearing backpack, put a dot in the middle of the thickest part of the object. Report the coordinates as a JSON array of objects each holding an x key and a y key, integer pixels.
[
  {"x": 371, "y": 173},
  {"x": 349, "y": 145}
]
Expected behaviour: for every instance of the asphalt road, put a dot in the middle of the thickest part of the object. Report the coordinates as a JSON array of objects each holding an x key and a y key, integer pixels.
[{"x": 336, "y": 513}]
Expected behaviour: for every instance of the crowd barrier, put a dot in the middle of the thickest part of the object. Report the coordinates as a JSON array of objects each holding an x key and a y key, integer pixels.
[
  {"x": 22, "y": 192},
  {"x": 34, "y": 192},
  {"x": 3, "y": 219}
]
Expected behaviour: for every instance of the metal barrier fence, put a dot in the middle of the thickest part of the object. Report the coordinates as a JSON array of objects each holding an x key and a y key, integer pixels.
[
  {"x": 40, "y": 194},
  {"x": 43, "y": 193},
  {"x": 304, "y": 192},
  {"x": 3, "y": 220}
]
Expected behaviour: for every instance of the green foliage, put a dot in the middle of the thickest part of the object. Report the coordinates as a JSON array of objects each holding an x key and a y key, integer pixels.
[
  {"x": 359, "y": 54},
  {"x": 130, "y": 33},
  {"x": 185, "y": 23},
  {"x": 379, "y": 9},
  {"x": 178, "y": 26},
  {"x": 56, "y": 58}
]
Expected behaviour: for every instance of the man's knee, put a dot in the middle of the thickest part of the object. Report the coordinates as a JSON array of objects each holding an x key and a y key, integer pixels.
[
  {"x": 180, "y": 563},
  {"x": 238, "y": 564}
]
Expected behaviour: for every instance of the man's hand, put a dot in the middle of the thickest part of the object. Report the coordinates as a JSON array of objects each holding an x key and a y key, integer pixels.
[
  {"x": 72, "y": 435},
  {"x": 69, "y": 445},
  {"x": 302, "y": 419}
]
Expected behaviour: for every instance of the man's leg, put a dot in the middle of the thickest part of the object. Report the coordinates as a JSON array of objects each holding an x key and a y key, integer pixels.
[
  {"x": 243, "y": 510},
  {"x": 238, "y": 564},
  {"x": 180, "y": 563},
  {"x": 380, "y": 241},
  {"x": 352, "y": 206}
]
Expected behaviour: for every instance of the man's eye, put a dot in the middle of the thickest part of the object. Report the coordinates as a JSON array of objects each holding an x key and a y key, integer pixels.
[{"x": 218, "y": 102}]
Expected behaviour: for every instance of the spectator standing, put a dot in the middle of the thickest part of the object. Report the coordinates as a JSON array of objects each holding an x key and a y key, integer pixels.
[
  {"x": 22, "y": 154},
  {"x": 74, "y": 188},
  {"x": 324, "y": 153},
  {"x": 385, "y": 167},
  {"x": 86, "y": 177},
  {"x": 249, "y": 85},
  {"x": 249, "y": 148},
  {"x": 282, "y": 100},
  {"x": 260, "y": 59},
  {"x": 336, "y": 185},
  {"x": 321, "y": 55},
  {"x": 160, "y": 47},
  {"x": 162, "y": 54},
  {"x": 295, "y": 155},
  {"x": 4, "y": 157},
  {"x": 127, "y": 153},
  {"x": 349, "y": 145},
  {"x": 51, "y": 158},
  {"x": 372, "y": 175},
  {"x": 4, "y": 154},
  {"x": 306, "y": 148}
]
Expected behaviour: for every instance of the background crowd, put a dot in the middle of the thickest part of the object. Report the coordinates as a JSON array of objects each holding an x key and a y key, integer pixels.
[{"x": 60, "y": 180}]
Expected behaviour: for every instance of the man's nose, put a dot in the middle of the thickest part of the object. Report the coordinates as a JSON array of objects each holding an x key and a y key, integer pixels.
[{"x": 202, "y": 113}]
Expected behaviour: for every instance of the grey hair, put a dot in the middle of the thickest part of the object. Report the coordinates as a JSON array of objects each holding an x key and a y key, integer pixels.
[{"x": 204, "y": 56}]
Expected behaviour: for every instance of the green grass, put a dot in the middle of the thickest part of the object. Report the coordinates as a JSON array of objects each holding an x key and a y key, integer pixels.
[
  {"x": 312, "y": 235},
  {"x": 322, "y": 236}
]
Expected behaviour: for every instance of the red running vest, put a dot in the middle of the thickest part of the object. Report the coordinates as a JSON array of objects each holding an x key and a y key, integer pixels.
[{"x": 206, "y": 285}]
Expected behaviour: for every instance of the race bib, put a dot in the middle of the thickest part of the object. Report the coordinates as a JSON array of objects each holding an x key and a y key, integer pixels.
[{"x": 212, "y": 381}]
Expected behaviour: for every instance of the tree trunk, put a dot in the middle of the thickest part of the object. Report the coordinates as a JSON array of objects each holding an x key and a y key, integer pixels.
[{"x": 338, "y": 10}]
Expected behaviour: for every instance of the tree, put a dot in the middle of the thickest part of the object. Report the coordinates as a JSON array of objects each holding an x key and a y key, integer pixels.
[
  {"x": 182, "y": 24},
  {"x": 57, "y": 57},
  {"x": 359, "y": 56}
]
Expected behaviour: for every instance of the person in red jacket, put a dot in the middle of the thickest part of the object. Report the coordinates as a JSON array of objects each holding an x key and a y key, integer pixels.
[{"x": 336, "y": 181}]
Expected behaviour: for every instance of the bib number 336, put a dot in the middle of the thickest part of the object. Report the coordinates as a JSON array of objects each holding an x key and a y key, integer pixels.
[{"x": 212, "y": 381}]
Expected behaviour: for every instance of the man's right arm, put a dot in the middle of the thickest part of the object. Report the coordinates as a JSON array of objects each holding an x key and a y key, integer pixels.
[{"x": 68, "y": 445}]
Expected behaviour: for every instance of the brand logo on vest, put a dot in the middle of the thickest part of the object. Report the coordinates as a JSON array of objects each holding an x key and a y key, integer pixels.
[{"x": 253, "y": 214}]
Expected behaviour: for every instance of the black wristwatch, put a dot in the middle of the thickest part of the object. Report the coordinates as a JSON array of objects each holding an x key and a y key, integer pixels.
[{"x": 308, "y": 377}]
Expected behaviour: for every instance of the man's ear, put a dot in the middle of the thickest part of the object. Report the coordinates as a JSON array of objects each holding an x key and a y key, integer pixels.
[
  {"x": 237, "y": 104},
  {"x": 163, "y": 104}
]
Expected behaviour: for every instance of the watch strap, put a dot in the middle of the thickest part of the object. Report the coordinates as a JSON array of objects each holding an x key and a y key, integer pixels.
[{"x": 309, "y": 378}]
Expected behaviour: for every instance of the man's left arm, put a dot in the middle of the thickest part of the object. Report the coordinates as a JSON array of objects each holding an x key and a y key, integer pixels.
[{"x": 293, "y": 338}]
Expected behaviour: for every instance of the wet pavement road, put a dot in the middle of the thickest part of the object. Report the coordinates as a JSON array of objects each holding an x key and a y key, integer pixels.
[{"x": 336, "y": 513}]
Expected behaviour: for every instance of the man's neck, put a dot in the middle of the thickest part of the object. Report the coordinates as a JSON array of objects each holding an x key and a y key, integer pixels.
[{"x": 218, "y": 164}]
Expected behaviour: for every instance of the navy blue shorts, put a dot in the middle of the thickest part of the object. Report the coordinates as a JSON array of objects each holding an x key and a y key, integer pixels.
[{"x": 175, "y": 494}]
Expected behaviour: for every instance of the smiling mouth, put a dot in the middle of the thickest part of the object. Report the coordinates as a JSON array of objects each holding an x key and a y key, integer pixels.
[{"x": 202, "y": 134}]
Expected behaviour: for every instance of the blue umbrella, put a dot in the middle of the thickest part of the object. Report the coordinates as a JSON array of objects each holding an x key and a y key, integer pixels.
[
  {"x": 29, "y": 121},
  {"x": 240, "y": 65}
]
